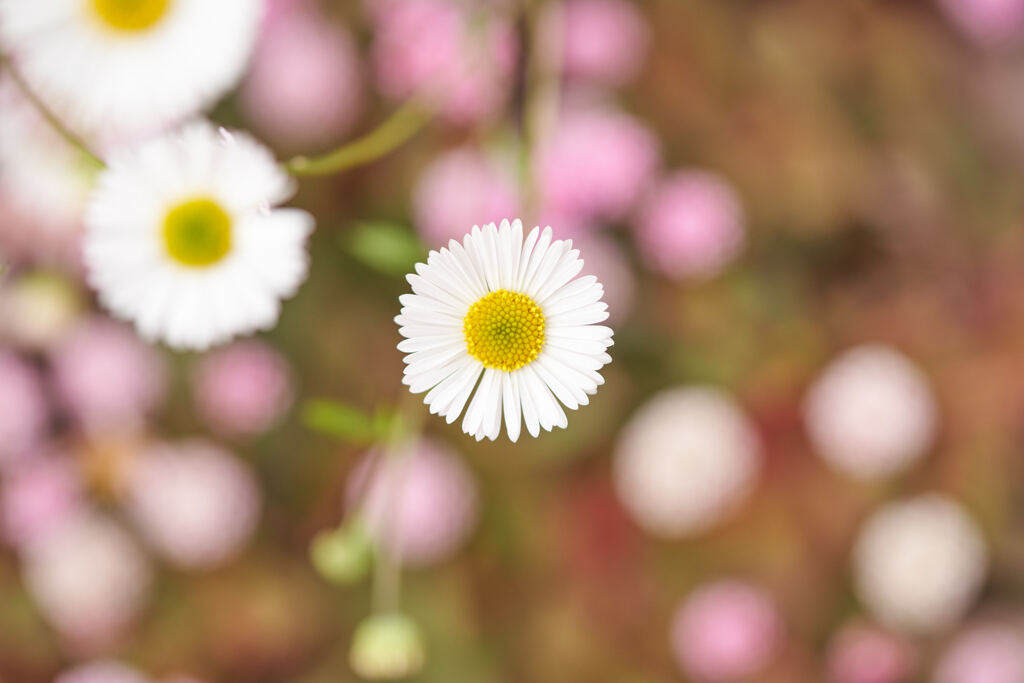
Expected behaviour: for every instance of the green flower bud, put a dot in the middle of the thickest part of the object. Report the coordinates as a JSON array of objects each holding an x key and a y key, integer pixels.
[
  {"x": 342, "y": 555},
  {"x": 386, "y": 647}
]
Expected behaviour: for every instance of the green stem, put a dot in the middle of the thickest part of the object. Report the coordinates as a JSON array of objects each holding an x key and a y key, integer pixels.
[
  {"x": 540, "y": 105},
  {"x": 52, "y": 119},
  {"x": 405, "y": 122}
]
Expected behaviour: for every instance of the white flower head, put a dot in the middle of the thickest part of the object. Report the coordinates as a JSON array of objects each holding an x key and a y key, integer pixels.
[
  {"x": 684, "y": 460},
  {"x": 919, "y": 563},
  {"x": 871, "y": 413},
  {"x": 180, "y": 237},
  {"x": 129, "y": 67},
  {"x": 504, "y": 315}
]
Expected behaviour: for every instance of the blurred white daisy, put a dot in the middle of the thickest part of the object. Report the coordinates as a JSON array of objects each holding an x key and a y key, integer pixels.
[
  {"x": 919, "y": 563},
  {"x": 684, "y": 460},
  {"x": 871, "y": 413},
  {"x": 180, "y": 237},
  {"x": 506, "y": 312},
  {"x": 128, "y": 67}
]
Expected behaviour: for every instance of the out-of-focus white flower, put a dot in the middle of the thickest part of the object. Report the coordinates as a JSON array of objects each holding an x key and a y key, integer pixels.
[
  {"x": 102, "y": 671},
  {"x": 993, "y": 653},
  {"x": 919, "y": 563},
  {"x": 195, "y": 504},
  {"x": 420, "y": 502},
  {"x": 684, "y": 459},
  {"x": 88, "y": 578},
  {"x": 182, "y": 239},
  {"x": 107, "y": 377},
  {"x": 871, "y": 413},
  {"x": 37, "y": 309},
  {"x": 387, "y": 646},
  {"x": 243, "y": 389},
  {"x": 725, "y": 631},
  {"x": 304, "y": 85},
  {"x": 23, "y": 409},
  {"x": 862, "y": 653},
  {"x": 123, "y": 69},
  {"x": 509, "y": 313}
]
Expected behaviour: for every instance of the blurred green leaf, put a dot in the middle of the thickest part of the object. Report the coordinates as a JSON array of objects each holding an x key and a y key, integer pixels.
[
  {"x": 342, "y": 421},
  {"x": 386, "y": 247}
]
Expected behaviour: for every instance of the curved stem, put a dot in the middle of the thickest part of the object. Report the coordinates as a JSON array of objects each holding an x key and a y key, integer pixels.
[
  {"x": 51, "y": 118},
  {"x": 405, "y": 122}
]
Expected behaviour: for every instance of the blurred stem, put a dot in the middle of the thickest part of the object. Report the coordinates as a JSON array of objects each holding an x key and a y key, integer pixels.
[
  {"x": 51, "y": 118},
  {"x": 387, "y": 574},
  {"x": 542, "y": 82},
  {"x": 405, "y": 122}
]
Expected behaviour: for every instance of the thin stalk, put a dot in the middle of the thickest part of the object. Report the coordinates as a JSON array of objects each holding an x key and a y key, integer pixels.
[
  {"x": 405, "y": 122},
  {"x": 51, "y": 118},
  {"x": 541, "y": 92}
]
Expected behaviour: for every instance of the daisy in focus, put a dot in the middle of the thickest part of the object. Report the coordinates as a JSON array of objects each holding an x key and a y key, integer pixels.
[
  {"x": 181, "y": 239},
  {"x": 129, "y": 67},
  {"x": 504, "y": 316}
]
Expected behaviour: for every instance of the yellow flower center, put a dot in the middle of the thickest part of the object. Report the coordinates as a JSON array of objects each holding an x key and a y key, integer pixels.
[
  {"x": 504, "y": 330},
  {"x": 131, "y": 15},
  {"x": 197, "y": 233}
]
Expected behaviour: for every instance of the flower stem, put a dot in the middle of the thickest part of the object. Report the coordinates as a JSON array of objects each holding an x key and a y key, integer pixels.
[
  {"x": 405, "y": 122},
  {"x": 51, "y": 118},
  {"x": 541, "y": 98}
]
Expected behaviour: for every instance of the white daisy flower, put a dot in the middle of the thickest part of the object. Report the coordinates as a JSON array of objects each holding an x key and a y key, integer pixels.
[
  {"x": 180, "y": 237},
  {"x": 129, "y": 66},
  {"x": 508, "y": 313}
]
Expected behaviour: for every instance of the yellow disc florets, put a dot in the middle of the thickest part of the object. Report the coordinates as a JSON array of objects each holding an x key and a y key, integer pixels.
[
  {"x": 197, "y": 233},
  {"x": 504, "y": 330},
  {"x": 131, "y": 16}
]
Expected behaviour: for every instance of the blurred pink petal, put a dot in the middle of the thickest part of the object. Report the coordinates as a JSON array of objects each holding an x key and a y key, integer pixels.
[
  {"x": 985, "y": 654},
  {"x": 106, "y": 376},
  {"x": 691, "y": 226},
  {"x": 37, "y": 496},
  {"x": 196, "y": 504},
  {"x": 595, "y": 164},
  {"x": 243, "y": 389},
  {"x": 460, "y": 188},
  {"x": 989, "y": 22},
  {"x": 421, "y": 501},
  {"x": 304, "y": 83},
  {"x": 861, "y": 653},
  {"x": 23, "y": 410},
  {"x": 725, "y": 631},
  {"x": 457, "y": 54},
  {"x": 603, "y": 41}
]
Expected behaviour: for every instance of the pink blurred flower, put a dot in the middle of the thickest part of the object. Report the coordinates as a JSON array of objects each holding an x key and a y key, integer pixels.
[
  {"x": 106, "y": 376},
  {"x": 595, "y": 164},
  {"x": 989, "y": 22},
  {"x": 88, "y": 578},
  {"x": 420, "y": 502},
  {"x": 985, "y": 654},
  {"x": 691, "y": 226},
  {"x": 243, "y": 389},
  {"x": 604, "y": 259},
  {"x": 37, "y": 496},
  {"x": 603, "y": 41},
  {"x": 102, "y": 671},
  {"x": 304, "y": 83},
  {"x": 195, "y": 504},
  {"x": 461, "y": 188},
  {"x": 725, "y": 631},
  {"x": 458, "y": 54},
  {"x": 861, "y": 653},
  {"x": 23, "y": 409}
]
